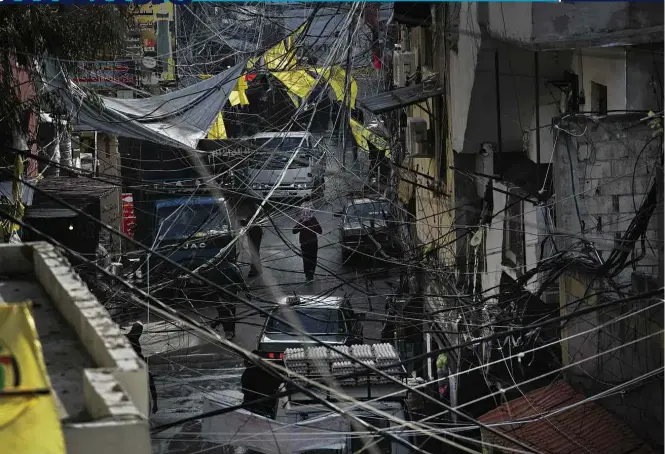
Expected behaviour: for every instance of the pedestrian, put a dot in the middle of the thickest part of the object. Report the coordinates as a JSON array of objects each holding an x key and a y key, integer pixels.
[
  {"x": 254, "y": 235},
  {"x": 231, "y": 279},
  {"x": 442, "y": 374},
  {"x": 134, "y": 337},
  {"x": 308, "y": 228},
  {"x": 257, "y": 384}
]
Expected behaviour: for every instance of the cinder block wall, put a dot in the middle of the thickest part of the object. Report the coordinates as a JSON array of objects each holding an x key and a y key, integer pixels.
[{"x": 607, "y": 165}]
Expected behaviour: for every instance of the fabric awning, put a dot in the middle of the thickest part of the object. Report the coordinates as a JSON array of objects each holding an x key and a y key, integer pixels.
[
  {"x": 180, "y": 118},
  {"x": 401, "y": 97}
]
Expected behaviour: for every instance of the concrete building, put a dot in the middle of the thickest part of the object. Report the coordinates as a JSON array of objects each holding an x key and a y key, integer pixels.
[
  {"x": 99, "y": 383},
  {"x": 496, "y": 189}
]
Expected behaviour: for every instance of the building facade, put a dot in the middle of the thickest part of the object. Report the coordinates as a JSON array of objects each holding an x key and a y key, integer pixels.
[{"x": 543, "y": 150}]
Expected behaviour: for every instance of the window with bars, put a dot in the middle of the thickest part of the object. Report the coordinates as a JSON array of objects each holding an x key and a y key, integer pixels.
[{"x": 513, "y": 231}]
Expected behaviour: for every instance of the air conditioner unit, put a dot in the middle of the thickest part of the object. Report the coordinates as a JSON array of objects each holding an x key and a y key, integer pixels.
[
  {"x": 416, "y": 137},
  {"x": 404, "y": 64}
]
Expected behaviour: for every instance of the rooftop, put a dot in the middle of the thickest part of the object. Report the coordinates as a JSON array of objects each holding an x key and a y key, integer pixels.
[
  {"x": 98, "y": 382},
  {"x": 573, "y": 425},
  {"x": 323, "y": 302}
]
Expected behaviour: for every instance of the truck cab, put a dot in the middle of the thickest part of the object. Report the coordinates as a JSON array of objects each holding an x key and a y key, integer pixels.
[
  {"x": 273, "y": 158},
  {"x": 190, "y": 228}
]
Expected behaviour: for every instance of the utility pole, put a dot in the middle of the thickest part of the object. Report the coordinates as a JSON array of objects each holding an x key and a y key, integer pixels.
[{"x": 347, "y": 92}]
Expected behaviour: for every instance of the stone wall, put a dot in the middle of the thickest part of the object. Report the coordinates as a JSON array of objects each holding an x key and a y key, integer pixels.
[{"x": 603, "y": 169}]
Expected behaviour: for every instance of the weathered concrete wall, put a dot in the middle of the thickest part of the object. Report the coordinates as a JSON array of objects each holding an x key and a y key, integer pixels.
[
  {"x": 601, "y": 334},
  {"x": 577, "y": 20},
  {"x": 613, "y": 163},
  {"x": 606, "y": 67},
  {"x": 562, "y": 25},
  {"x": 644, "y": 79}
]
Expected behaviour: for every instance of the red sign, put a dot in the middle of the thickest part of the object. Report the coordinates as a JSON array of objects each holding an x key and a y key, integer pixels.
[{"x": 128, "y": 216}]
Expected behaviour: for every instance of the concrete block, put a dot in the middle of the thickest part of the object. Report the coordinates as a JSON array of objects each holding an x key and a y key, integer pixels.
[
  {"x": 601, "y": 169},
  {"x": 610, "y": 149},
  {"x": 621, "y": 167},
  {"x": 629, "y": 204},
  {"x": 616, "y": 186},
  {"x": 599, "y": 205},
  {"x": 590, "y": 187}
]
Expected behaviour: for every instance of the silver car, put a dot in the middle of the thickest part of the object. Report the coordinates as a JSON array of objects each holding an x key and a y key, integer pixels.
[{"x": 330, "y": 319}]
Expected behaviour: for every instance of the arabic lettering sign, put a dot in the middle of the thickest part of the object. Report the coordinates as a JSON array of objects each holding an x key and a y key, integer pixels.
[
  {"x": 106, "y": 74},
  {"x": 27, "y": 399}
]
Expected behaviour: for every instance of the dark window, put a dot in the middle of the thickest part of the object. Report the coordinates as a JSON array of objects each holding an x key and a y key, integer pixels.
[
  {"x": 312, "y": 321},
  {"x": 183, "y": 221},
  {"x": 599, "y": 98},
  {"x": 513, "y": 231}
]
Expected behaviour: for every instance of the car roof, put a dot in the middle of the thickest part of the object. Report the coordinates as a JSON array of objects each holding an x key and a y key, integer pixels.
[
  {"x": 271, "y": 135},
  {"x": 314, "y": 301},
  {"x": 367, "y": 200}
]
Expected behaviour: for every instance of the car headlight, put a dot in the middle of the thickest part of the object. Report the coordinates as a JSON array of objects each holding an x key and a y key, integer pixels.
[
  {"x": 301, "y": 185},
  {"x": 257, "y": 186}
]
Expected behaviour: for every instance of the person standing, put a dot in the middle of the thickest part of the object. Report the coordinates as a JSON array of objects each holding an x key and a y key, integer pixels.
[
  {"x": 258, "y": 383},
  {"x": 134, "y": 337},
  {"x": 231, "y": 279},
  {"x": 308, "y": 228},
  {"x": 255, "y": 235}
]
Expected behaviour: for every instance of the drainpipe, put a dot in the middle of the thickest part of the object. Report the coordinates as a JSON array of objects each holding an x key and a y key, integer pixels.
[
  {"x": 498, "y": 102},
  {"x": 536, "y": 70}
]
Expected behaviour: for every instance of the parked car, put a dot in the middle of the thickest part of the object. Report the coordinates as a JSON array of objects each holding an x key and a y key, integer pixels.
[
  {"x": 367, "y": 226},
  {"x": 331, "y": 319}
]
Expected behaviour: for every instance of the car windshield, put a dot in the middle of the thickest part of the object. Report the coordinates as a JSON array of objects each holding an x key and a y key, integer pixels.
[
  {"x": 281, "y": 143},
  {"x": 184, "y": 221},
  {"x": 370, "y": 210},
  {"x": 278, "y": 160},
  {"x": 312, "y": 321}
]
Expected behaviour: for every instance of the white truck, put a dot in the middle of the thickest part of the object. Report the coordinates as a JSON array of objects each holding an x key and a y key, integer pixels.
[{"x": 303, "y": 425}]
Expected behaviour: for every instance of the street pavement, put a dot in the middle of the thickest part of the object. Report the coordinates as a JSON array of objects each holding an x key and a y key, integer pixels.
[{"x": 186, "y": 368}]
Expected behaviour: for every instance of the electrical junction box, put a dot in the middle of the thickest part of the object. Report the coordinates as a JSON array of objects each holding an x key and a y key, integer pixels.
[
  {"x": 417, "y": 143},
  {"x": 404, "y": 64}
]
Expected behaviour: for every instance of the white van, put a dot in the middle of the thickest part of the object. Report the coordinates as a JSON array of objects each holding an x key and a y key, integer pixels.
[{"x": 304, "y": 175}]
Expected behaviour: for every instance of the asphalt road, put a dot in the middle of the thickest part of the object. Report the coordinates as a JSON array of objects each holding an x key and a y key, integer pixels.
[{"x": 182, "y": 381}]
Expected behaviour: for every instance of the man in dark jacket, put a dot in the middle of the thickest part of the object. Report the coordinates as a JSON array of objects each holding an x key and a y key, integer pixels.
[
  {"x": 308, "y": 229},
  {"x": 231, "y": 279},
  {"x": 254, "y": 235},
  {"x": 256, "y": 384},
  {"x": 133, "y": 336}
]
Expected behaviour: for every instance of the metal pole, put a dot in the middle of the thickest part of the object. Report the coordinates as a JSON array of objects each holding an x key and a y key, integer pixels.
[
  {"x": 536, "y": 70},
  {"x": 498, "y": 102}
]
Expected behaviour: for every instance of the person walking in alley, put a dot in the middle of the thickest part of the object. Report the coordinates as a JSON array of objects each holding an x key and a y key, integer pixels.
[
  {"x": 308, "y": 228},
  {"x": 256, "y": 384},
  {"x": 231, "y": 279},
  {"x": 134, "y": 337},
  {"x": 254, "y": 236}
]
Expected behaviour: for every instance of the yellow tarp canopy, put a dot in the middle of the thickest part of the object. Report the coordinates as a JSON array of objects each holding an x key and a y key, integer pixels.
[
  {"x": 364, "y": 136},
  {"x": 336, "y": 77},
  {"x": 218, "y": 130},
  {"x": 298, "y": 82},
  {"x": 29, "y": 420},
  {"x": 282, "y": 56}
]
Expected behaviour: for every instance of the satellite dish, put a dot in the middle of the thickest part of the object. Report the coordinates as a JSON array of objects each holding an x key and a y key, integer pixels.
[{"x": 149, "y": 62}]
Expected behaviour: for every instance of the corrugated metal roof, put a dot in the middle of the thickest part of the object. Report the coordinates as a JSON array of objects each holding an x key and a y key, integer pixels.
[
  {"x": 586, "y": 427},
  {"x": 401, "y": 97}
]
